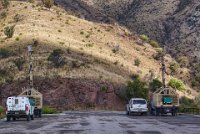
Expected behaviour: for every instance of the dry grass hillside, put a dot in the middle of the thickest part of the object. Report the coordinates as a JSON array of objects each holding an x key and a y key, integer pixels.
[
  {"x": 174, "y": 23},
  {"x": 94, "y": 54}
]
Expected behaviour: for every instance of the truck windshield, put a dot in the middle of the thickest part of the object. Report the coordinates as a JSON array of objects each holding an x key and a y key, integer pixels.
[{"x": 139, "y": 102}]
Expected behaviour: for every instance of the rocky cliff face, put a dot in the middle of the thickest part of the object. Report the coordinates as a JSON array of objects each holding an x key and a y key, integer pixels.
[{"x": 70, "y": 94}]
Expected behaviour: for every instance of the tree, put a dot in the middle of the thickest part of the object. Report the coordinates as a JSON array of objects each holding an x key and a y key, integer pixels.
[
  {"x": 48, "y": 3},
  {"x": 137, "y": 88},
  {"x": 9, "y": 31},
  {"x": 155, "y": 84}
]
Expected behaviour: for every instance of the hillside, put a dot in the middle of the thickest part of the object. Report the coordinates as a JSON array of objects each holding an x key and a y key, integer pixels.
[
  {"x": 74, "y": 59},
  {"x": 174, "y": 23}
]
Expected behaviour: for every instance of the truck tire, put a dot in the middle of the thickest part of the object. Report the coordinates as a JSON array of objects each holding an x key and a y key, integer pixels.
[
  {"x": 157, "y": 111},
  {"x": 40, "y": 113},
  {"x": 14, "y": 119},
  {"x": 28, "y": 118},
  {"x": 8, "y": 118},
  {"x": 32, "y": 117}
]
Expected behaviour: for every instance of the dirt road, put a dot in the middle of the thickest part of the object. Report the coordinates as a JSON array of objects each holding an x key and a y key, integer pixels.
[{"x": 103, "y": 123}]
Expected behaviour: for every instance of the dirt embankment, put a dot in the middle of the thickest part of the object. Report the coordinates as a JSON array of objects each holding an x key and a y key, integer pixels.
[{"x": 70, "y": 94}]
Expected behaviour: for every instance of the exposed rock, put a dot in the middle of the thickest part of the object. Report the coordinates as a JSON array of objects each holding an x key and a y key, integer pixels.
[{"x": 69, "y": 94}]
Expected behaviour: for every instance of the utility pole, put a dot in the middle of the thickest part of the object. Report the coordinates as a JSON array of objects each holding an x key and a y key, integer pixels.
[
  {"x": 163, "y": 67},
  {"x": 30, "y": 51}
]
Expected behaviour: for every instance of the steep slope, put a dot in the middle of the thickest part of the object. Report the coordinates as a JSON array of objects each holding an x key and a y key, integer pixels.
[{"x": 174, "y": 23}]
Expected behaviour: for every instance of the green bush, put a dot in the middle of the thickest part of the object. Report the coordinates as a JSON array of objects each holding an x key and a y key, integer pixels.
[
  {"x": 1, "y": 110},
  {"x": 177, "y": 84},
  {"x": 48, "y": 3},
  {"x": 144, "y": 37},
  {"x": 3, "y": 15},
  {"x": 49, "y": 110},
  {"x": 5, "y": 3},
  {"x": 155, "y": 84},
  {"x": 104, "y": 89},
  {"x": 137, "y": 89},
  {"x": 137, "y": 62},
  {"x": 4, "y": 53},
  {"x": 19, "y": 63},
  {"x": 9, "y": 31},
  {"x": 154, "y": 44},
  {"x": 56, "y": 58},
  {"x": 185, "y": 103},
  {"x": 173, "y": 66}
]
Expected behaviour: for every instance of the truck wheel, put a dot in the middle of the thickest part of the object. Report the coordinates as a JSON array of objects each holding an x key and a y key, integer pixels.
[
  {"x": 32, "y": 117},
  {"x": 14, "y": 119},
  {"x": 157, "y": 112},
  {"x": 28, "y": 118},
  {"x": 40, "y": 113},
  {"x": 8, "y": 118}
]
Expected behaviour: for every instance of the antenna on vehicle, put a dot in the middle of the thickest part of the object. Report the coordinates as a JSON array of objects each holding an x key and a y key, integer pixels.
[{"x": 30, "y": 51}]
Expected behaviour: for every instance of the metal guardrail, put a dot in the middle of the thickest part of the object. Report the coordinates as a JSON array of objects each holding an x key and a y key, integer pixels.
[{"x": 191, "y": 110}]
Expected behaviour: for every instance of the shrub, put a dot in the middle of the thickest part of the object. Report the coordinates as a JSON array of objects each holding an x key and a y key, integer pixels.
[
  {"x": 158, "y": 55},
  {"x": 19, "y": 63},
  {"x": 17, "y": 38},
  {"x": 116, "y": 49},
  {"x": 177, "y": 84},
  {"x": 144, "y": 37},
  {"x": 9, "y": 31},
  {"x": 56, "y": 58},
  {"x": 17, "y": 18},
  {"x": 48, "y": 3},
  {"x": 49, "y": 110},
  {"x": 4, "y": 53},
  {"x": 5, "y": 3},
  {"x": 185, "y": 103},
  {"x": 137, "y": 62},
  {"x": 183, "y": 61},
  {"x": 81, "y": 32},
  {"x": 137, "y": 89},
  {"x": 1, "y": 111},
  {"x": 104, "y": 89},
  {"x": 173, "y": 66},
  {"x": 3, "y": 15},
  {"x": 155, "y": 84},
  {"x": 154, "y": 44}
]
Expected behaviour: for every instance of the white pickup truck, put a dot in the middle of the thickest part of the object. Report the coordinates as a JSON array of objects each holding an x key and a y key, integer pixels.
[
  {"x": 137, "y": 105},
  {"x": 19, "y": 107}
]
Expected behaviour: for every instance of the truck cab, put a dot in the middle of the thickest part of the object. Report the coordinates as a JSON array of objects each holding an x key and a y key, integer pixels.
[{"x": 19, "y": 107}]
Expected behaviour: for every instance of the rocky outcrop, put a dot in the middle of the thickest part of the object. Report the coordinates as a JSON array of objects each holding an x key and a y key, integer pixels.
[{"x": 70, "y": 94}]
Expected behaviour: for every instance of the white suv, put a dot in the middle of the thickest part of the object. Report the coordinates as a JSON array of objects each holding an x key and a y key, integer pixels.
[
  {"x": 19, "y": 107},
  {"x": 137, "y": 105}
]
